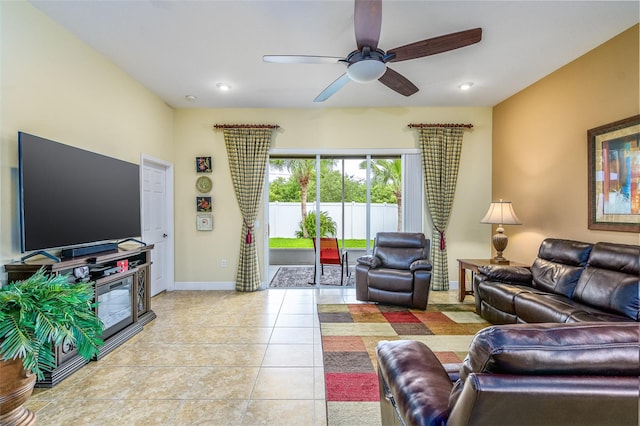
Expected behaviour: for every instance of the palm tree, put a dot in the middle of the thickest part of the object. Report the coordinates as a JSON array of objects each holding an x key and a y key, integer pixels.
[
  {"x": 388, "y": 173},
  {"x": 301, "y": 170}
]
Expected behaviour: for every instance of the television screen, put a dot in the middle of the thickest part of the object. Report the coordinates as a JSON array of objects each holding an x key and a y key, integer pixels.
[{"x": 70, "y": 196}]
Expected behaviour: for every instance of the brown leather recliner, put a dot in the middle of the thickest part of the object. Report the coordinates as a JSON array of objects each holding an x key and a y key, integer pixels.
[
  {"x": 398, "y": 272},
  {"x": 517, "y": 374}
]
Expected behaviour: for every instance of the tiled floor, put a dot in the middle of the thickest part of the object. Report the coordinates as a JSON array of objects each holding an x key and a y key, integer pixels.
[{"x": 210, "y": 357}]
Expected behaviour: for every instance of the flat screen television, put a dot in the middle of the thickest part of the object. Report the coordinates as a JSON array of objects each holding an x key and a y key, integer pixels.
[{"x": 73, "y": 197}]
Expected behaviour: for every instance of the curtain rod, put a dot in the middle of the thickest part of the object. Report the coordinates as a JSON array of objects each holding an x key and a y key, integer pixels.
[
  {"x": 421, "y": 126},
  {"x": 246, "y": 126}
]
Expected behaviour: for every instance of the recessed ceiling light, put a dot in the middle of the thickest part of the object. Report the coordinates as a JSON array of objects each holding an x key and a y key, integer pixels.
[
  {"x": 466, "y": 86},
  {"x": 191, "y": 98},
  {"x": 223, "y": 86}
]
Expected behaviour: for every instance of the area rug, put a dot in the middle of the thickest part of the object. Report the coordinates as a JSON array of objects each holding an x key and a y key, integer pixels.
[
  {"x": 302, "y": 277},
  {"x": 350, "y": 334}
]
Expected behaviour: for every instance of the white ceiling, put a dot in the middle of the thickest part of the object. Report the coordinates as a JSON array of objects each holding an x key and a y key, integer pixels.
[{"x": 179, "y": 48}]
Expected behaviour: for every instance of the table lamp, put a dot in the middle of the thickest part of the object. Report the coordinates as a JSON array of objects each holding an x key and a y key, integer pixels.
[{"x": 500, "y": 213}]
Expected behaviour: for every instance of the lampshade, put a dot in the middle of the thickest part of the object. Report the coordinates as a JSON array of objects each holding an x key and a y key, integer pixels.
[
  {"x": 366, "y": 70},
  {"x": 501, "y": 213}
]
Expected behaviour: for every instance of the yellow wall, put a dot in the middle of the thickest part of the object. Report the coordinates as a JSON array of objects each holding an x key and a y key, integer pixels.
[
  {"x": 55, "y": 86},
  {"x": 540, "y": 144},
  {"x": 199, "y": 254}
]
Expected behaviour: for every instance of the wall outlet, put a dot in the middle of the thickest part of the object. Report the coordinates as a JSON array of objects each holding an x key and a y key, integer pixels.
[{"x": 224, "y": 263}]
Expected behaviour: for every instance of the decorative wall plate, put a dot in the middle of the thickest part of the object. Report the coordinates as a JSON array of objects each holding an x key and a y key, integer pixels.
[{"x": 204, "y": 184}]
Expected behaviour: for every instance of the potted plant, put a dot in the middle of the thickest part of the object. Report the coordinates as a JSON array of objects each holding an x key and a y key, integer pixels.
[{"x": 36, "y": 315}]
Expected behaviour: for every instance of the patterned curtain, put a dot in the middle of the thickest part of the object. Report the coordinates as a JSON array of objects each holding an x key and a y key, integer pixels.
[
  {"x": 247, "y": 149},
  {"x": 440, "y": 148}
]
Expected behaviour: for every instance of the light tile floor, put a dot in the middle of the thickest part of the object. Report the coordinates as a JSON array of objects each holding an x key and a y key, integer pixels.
[{"x": 210, "y": 357}]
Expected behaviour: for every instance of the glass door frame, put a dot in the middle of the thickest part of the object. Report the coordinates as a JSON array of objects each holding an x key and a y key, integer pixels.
[{"x": 367, "y": 154}]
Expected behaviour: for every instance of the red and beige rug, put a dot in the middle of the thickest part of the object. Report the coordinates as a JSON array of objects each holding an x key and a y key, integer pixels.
[{"x": 350, "y": 334}]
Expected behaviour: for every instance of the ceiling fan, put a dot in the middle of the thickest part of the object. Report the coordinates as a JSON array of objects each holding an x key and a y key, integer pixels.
[{"x": 368, "y": 63}]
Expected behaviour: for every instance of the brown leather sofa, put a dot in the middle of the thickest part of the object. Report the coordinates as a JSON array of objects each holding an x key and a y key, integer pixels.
[
  {"x": 569, "y": 281},
  {"x": 398, "y": 272},
  {"x": 517, "y": 374}
]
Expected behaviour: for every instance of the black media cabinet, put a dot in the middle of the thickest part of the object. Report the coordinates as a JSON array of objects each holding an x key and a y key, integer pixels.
[{"x": 106, "y": 274}]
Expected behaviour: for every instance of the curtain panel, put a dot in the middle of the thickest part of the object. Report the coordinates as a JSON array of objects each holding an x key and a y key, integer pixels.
[
  {"x": 440, "y": 149},
  {"x": 247, "y": 149}
]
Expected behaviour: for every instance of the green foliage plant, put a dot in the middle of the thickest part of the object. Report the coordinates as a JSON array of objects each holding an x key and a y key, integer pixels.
[
  {"x": 327, "y": 225},
  {"x": 42, "y": 311}
]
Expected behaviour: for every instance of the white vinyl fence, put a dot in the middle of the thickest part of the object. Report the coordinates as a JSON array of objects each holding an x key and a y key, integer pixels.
[{"x": 284, "y": 218}]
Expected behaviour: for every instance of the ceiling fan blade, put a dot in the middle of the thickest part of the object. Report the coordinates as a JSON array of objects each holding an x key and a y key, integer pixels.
[
  {"x": 367, "y": 21},
  {"x": 434, "y": 45},
  {"x": 301, "y": 59},
  {"x": 396, "y": 81},
  {"x": 332, "y": 88}
]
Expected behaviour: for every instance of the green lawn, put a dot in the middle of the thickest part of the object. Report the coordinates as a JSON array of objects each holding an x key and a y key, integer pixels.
[{"x": 307, "y": 243}]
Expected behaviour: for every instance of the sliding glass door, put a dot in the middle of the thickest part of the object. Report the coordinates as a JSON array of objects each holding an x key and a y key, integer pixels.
[{"x": 350, "y": 198}]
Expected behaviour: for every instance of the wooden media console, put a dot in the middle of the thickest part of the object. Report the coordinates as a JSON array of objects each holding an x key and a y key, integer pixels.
[{"x": 122, "y": 280}]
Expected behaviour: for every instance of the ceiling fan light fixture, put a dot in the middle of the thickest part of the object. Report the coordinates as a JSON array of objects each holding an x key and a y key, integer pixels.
[{"x": 366, "y": 70}]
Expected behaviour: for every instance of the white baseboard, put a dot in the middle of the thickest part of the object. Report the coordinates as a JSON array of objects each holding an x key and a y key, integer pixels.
[
  {"x": 231, "y": 285},
  {"x": 204, "y": 285}
]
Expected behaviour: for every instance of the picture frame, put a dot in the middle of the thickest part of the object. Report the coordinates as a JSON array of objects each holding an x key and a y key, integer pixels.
[
  {"x": 614, "y": 176},
  {"x": 203, "y": 165},
  {"x": 203, "y": 204},
  {"x": 204, "y": 222}
]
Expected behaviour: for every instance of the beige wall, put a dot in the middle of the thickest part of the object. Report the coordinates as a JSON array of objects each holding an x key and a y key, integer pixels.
[
  {"x": 57, "y": 87},
  {"x": 199, "y": 254},
  {"x": 540, "y": 144}
]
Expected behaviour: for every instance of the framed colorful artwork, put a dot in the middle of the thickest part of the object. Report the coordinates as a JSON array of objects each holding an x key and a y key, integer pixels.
[
  {"x": 203, "y": 204},
  {"x": 204, "y": 222},
  {"x": 614, "y": 176},
  {"x": 203, "y": 165}
]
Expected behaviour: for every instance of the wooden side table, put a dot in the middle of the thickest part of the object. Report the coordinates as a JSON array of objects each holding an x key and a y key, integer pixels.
[{"x": 473, "y": 265}]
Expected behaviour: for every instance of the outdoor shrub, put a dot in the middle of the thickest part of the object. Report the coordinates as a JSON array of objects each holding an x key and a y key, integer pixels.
[{"x": 328, "y": 226}]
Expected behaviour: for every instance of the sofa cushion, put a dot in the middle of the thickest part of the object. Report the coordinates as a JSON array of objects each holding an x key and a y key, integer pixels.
[
  {"x": 611, "y": 280},
  {"x": 559, "y": 265},
  {"x": 391, "y": 280},
  {"x": 501, "y": 295},
  {"x": 597, "y": 316},
  {"x": 545, "y": 307},
  {"x": 398, "y": 250},
  {"x": 566, "y": 252},
  {"x": 602, "y": 349}
]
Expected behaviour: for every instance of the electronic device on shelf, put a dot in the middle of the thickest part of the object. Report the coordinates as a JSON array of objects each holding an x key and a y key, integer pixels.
[{"x": 103, "y": 271}]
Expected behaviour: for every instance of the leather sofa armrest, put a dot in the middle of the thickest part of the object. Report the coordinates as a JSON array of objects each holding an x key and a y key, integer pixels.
[
  {"x": 370, "y": 261},
  {"x": 420, "y": 265},
  {"x": 507, "y": 274},
  {"x": 453, "y": 370},
  {"x": 416, "y": 380}
]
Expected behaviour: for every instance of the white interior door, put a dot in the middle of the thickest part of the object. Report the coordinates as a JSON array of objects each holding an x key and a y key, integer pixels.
[{"x": 157, "y": 220}]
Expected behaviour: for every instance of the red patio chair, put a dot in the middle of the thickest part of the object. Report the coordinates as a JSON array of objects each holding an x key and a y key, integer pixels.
[{"x": 330, "y": 254}]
